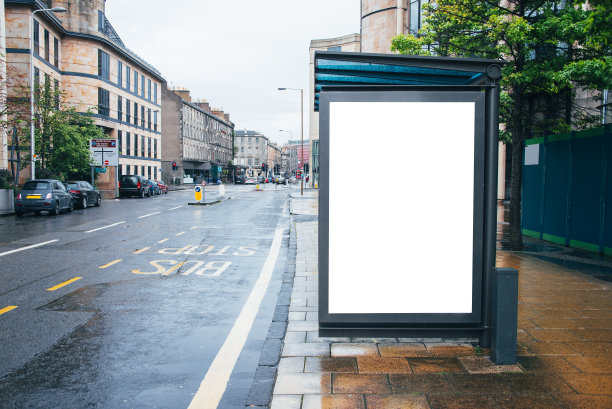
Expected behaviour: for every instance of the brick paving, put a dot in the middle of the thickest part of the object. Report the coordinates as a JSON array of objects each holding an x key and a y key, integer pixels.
[{"x": 564, "y": 348}]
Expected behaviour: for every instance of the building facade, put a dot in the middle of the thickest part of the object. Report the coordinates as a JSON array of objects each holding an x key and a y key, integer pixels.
[
  {"x": 80, "y": 53},
  {"x": 348, "y": 43},
  {"x": 381, "y": 20},
  {"x": 274, "y": 161},
  {"x": 198, "y": 141},
  {"x": 251, "y": 151}
]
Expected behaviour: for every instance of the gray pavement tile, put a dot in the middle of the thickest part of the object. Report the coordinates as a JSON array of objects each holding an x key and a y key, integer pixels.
[{"x": 306, "y": 349}]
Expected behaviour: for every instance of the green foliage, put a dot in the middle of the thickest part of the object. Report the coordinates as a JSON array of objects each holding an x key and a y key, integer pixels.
[
  {"x": 61, "y": 137},
  {"x": 7, "y": 181}
]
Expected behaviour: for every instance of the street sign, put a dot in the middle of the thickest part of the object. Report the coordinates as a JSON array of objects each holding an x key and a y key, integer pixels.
[
  {"x": 100, "y": 170},
  {"x": 104, "y": 152}
]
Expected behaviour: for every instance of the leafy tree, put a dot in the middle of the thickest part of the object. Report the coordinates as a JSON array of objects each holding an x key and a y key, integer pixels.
[
  {"x": 61, "y": 134},
  {"x": 554, "y": 50}
]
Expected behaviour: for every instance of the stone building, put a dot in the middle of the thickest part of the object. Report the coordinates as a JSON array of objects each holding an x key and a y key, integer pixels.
[
  {"x": 251, "y": 151},
  {"x": 274, "y": 158},
  {"x": 80, "y": 53},
  {"x": 381, "y": 20},
  {"x": 197, "y": 139},
  {"x": 348, "y": 43}
]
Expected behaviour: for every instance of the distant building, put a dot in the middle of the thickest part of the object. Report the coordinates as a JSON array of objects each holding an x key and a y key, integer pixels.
[
  {"x": 274, "y": 161},
  {"x": 348, "y": 43},
  {"x": 251, "y": 151},
  {"x": 198, "y": 141},
  {"x": 80, "y": 53}
]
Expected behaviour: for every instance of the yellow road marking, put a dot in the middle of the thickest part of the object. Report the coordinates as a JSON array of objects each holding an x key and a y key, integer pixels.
[
  {"x": 180, "y": 234},
  {"x": 142, "y": 250},
  {"x": 176, "y": 267},
  {"x": 72, "y": 280},
  {"x": 111, "y": 263},
  {"x": 162, "y": 241},
  {"x": 7, "y": 309}
]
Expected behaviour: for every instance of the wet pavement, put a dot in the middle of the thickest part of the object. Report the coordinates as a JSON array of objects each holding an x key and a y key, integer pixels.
[
  {"x": 128, "y": 305},
  {"x": 564, "y": 342}
]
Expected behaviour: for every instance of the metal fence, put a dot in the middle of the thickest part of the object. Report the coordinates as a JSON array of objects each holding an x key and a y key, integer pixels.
[{"x": 567, "y": 189}]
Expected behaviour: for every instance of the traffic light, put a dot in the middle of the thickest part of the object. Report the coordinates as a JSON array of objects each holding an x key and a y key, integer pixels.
[
  {"x": 306, "y": 168},
  {"x": 263, "y": 167},
  {"x": 173, "y": 165}
]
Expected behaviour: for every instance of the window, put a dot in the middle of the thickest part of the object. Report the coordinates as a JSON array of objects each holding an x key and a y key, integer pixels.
[
  {"x": 148, "y": 147},
  {"x": 155, "y": 93},
  {"x": 56, "y": 95},
  {"x": 135, "y": 82},
  {"x": 142, "y": 86},
  {"x": 128, "y": 146},
  {"x": 119, "y": 109},
  {"x": 100, "y": 21},
  {"x": 142, "y": 168},
  {"x": 103, "y": 65},
  {"x": 149, "y": 90},
  {"x": 127, "y": 77},
  {"x": 36, "y": 83},
  {"x": 36, "y": 35},
  {"x": 135, "y": 114},
  {"x": 154, "y": 173},
  {"x": 135, "y": 145},
  {"x": 416, "y": 12},
  {"x": 55, "y": 52},
  {"x": 128, "y": 116},
  {"x": 119, "y": 73},
  {"x": 149, "y": 172},
  {"x": 103, "y": 102},
  {"x": 149, "y": 118},
  {"x": 120, "y": 141},
  {"x": 155, "y": 121},
  {"x": 155, "y": 148},
  {"x": 127, "y": 168},
  {"x": 47, "y": 44},
  {"x": 142, "y": 146},
  {"x": 142, "y": 116}
]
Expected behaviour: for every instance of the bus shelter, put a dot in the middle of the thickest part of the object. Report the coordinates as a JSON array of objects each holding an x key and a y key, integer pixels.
[{"x": 408, "y": 156}]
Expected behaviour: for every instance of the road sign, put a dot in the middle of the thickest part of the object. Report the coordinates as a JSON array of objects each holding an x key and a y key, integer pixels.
[
  {"x": 100, "y": 170},
  {"x": 104, "y": 152}
]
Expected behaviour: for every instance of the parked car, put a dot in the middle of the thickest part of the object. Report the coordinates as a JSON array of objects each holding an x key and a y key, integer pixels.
[
  {"x": 240, "y": 180},
  {"x": 250, "y": 180},
  {"x": 48, "y": 195},
  {"x": 134, "y": 185},
  {"x": 260, "y": 179},
  {"x": 156, "y": 190},
  {"x": 162, "y": 186},
  {"x": 280, "y": 179},
  {"x": 83, "y": 194}
]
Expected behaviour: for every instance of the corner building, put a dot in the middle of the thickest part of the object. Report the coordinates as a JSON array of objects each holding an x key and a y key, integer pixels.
[{"x": 80, "y": 53}]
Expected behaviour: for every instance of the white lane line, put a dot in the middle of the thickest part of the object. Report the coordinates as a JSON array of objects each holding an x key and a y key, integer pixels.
[
  {"x": 215, "y": 382},
  {"x": 27, "y": 247},
  {"x": 147, "y": 215},
  {"x": 162, "y": 241},
  {"x": 105, "y": 227},
  {"x": 177, "y": 207},
  {"x": 180, "y": 234}
]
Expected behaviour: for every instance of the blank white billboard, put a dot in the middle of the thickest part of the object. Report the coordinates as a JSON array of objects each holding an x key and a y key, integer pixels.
[{"x": 401, "y": 197}]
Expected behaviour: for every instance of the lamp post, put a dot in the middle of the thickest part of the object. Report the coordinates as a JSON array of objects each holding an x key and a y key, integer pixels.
[
  {"x": 32, "y": 151},
  {"x": 302, "y": 120}
]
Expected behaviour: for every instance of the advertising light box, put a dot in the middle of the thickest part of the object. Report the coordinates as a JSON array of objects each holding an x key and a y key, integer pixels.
[{"x": 401, "y": 219}]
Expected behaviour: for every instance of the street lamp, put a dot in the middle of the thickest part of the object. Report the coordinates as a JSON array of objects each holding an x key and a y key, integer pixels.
[
  {"x": 32, "y": 151},
  {"x": 302, "y": 119}
]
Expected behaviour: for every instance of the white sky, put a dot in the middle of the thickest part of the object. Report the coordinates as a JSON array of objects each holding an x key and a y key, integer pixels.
[{"x": 236, "y": 53}]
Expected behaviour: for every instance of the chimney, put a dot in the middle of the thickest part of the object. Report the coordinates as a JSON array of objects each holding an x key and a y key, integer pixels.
[{"x": 183, "y": 93}]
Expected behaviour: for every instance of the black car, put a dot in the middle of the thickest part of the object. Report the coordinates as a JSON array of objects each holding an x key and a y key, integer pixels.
[
  {"x": 134, "y": 185},
  {"x": 83, "y": 194},
  {"x": 240, "y": 179},
  {"x": 38, "y": 195}
]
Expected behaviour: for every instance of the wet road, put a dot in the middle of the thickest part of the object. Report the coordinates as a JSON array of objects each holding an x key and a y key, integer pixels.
[{"x": 127, "y": 305}]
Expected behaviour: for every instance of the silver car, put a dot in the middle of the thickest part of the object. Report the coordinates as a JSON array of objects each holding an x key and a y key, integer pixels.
[{"x": 48, "y": 195}]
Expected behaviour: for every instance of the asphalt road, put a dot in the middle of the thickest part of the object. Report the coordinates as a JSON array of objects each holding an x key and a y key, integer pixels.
[{"x": 127, "y": 305}]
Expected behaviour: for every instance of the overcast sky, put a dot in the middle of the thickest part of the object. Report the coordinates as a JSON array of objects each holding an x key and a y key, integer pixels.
[{"x": 236, "y": 53}]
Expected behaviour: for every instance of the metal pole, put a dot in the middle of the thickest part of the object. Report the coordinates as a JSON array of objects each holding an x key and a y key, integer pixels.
[
  {"x": 302, "y": 116},
  {"x": 32, "y": 159}
]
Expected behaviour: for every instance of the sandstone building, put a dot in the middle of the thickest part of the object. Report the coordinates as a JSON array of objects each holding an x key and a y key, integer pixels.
[{"x": 80, "y": 53}]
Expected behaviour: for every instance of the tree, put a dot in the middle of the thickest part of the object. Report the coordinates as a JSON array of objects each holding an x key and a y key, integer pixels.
[
  {"x": 61, "y": 134},
  {"x": 553, "y": 49}
]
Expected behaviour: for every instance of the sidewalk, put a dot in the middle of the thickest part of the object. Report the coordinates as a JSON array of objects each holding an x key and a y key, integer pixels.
[{"x": 564, "y": 347}]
